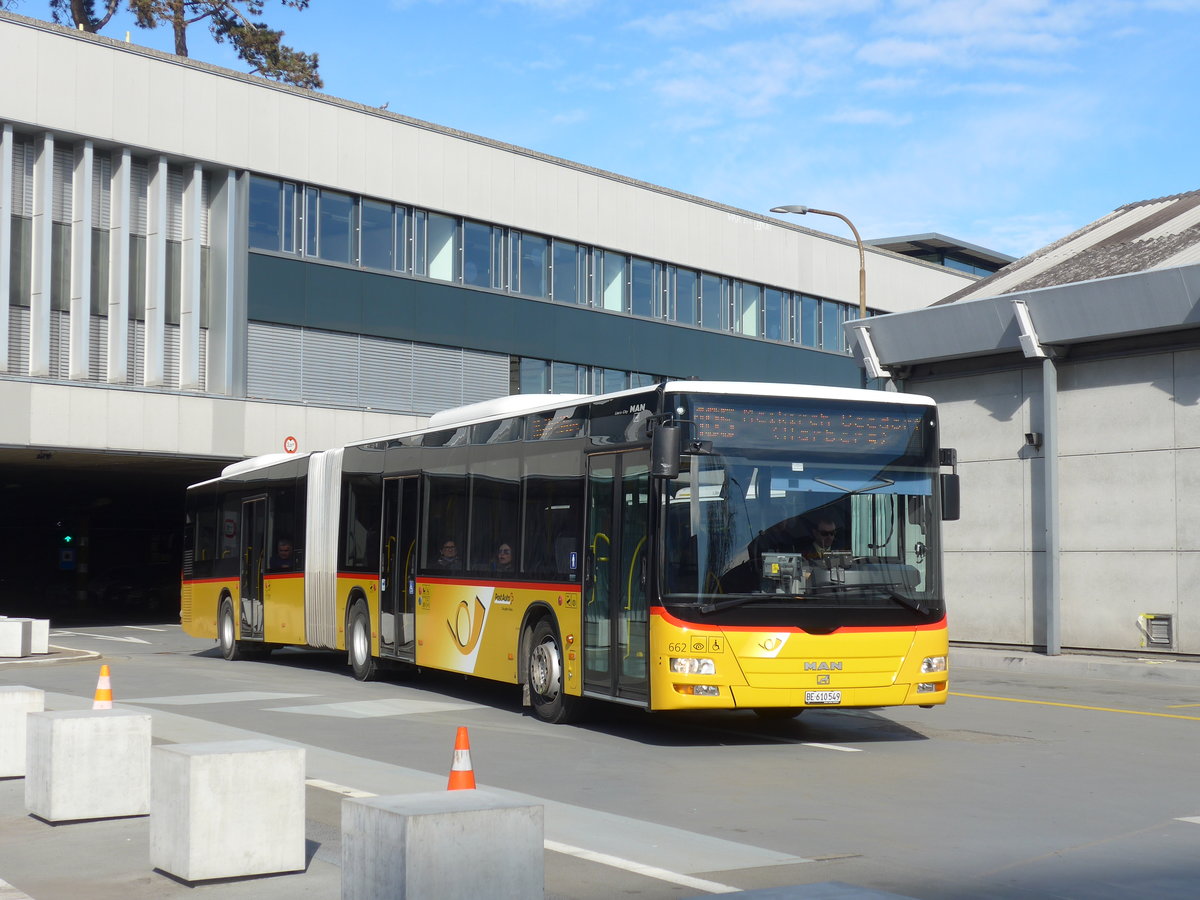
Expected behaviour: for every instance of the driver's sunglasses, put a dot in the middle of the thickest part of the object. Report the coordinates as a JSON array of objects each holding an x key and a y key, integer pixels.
[{"x": 824, "y": 533}]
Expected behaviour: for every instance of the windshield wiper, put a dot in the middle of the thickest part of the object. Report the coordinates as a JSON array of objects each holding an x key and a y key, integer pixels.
[
  {"x": 885, "y": 589},
  {"x": 712, "y": 606}
]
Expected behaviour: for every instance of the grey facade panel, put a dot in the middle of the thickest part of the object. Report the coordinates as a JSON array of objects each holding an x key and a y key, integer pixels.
[
  {"x": 386, "y": 374},
  {"x": 298, "y": 292},
  {"x": 484, "y": 376},
  {"x": 329, "y": 367},
  {"x": 272, "y": 362},
  {"x": 437, "y": 378}
]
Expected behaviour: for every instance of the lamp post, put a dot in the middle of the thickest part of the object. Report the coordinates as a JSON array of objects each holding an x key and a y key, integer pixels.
[{"x": 862, "y": 258}]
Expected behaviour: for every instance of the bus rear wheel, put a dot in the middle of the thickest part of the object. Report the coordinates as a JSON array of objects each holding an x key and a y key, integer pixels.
[
  {"x": 227, "y": 631},
  {"x": 547, "y": 696},
  {"x": 358, "y": 644}
]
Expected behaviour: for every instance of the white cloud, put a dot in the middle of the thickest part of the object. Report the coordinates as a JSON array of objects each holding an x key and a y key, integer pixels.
[{"x": 868, "y": 117}]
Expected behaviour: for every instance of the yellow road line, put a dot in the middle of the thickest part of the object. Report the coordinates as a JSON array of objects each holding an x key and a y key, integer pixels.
[
  {"x": 1128, "y": 712},
  {"x": 1182, "y": 705}
]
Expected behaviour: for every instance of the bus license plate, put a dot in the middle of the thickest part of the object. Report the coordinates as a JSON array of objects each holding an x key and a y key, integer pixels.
[{"x": 822, "y": 696}]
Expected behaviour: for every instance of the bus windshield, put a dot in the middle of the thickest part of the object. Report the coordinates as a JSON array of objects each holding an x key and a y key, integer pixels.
[{"x": 805, "y": 504}]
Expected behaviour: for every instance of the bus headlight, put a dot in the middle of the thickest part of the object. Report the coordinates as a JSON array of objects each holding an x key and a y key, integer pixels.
[
  {"x": 933, "y": 664},
  {"x": 683, "y": 665}
]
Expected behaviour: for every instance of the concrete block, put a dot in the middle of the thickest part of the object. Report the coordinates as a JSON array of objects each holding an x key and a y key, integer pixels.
[
  {"x": 16, "y": 638},
  {"x": 227, "y": 809},
  {"x": 87, "y": 764},
  {"x": 39, "y": 635},
  {"x": 16, "y": 702},
  {"x": 446, "y": 844}
]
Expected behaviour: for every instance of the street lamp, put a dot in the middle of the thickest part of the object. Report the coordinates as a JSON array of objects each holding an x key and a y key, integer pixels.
[{"x": 862, "y": 259}]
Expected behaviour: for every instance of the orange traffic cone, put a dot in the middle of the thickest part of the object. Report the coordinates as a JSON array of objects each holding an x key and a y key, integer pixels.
[
  {"x": 462, "y": 776},
  {"x": 103, "y": 691}
]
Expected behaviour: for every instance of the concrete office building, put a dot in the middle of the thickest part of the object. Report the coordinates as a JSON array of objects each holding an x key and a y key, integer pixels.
[
  {"x": 1070, "y": 383},
  {"x": 200, "y": 266}
]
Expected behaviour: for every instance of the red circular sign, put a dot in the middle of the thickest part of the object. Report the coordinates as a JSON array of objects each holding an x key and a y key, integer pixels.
[{"x": 290, "y": 444}]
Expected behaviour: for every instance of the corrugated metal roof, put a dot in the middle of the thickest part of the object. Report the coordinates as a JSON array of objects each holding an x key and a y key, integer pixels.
[{"x": 1139, "y": 237}]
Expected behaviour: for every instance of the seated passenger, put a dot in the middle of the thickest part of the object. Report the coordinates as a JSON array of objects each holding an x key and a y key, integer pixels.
[
  {"x": 283, "y": 558},
  {"x": 503, "y": 561},
  {"x": 448, "y": 559}
]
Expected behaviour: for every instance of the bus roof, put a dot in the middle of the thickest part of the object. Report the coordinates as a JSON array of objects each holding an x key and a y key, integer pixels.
[{"x": 522, "y": 404}]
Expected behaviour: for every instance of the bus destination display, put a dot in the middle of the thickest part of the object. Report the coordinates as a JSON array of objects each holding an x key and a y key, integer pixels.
[{"x": 894, "y": 430}]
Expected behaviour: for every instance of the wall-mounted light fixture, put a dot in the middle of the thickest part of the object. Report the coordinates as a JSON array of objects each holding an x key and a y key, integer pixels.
[{"x": 1034, "y": 439}]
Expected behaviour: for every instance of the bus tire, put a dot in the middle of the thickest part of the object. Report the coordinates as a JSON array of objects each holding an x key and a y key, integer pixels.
[
  {"x": 358, "y": 644},
  {"x": 227, "y": 631},
  {"x": 547, "y": 694}
]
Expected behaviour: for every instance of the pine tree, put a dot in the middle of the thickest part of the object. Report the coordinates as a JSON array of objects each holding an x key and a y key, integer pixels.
[{"x": 258, "y": 45}]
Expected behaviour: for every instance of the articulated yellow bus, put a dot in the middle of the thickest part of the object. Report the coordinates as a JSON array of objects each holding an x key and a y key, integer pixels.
[{"x": 690, "y": 546}]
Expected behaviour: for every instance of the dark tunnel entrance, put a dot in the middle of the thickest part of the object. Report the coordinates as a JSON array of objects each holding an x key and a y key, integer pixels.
[{"x": 93, "y": 537}]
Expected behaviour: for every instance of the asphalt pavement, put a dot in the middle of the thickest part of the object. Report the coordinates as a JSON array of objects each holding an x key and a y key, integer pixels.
[{"x": 109, "y": 859}]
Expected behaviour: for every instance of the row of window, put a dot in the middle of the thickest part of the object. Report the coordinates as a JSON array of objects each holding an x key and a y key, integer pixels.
[{"x": 343, "y": 228}]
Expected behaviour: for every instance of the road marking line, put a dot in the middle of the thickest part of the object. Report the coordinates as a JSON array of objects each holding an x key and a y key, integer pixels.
[
  {"x": 145, "y": 628},
  {"x": 338, "y": 788},
  {"x": 202, "y": 699},
  {"x": 1183, "y": 705},
  {"x": 606, "y": 859},
  {"x": 374, "y": 709},
  {"x": 1128, "y": 712},
  {"x": 100, "y": 637},
  {"x": 1195, "y": 820},
  {"x": 696, "y": 884},
  {"x": 831, "y": 747}
]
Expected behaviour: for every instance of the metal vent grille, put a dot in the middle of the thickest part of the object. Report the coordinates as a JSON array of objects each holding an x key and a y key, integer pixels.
[{"x": 1159, "y": 629}]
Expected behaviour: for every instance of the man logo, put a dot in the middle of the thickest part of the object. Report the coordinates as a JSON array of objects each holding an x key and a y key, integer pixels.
[{"x": 822, "y": 667}]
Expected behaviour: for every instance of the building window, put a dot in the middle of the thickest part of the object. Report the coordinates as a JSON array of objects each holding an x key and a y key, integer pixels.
[
  {"x": 483, "y": 255},
  {"x": 530, "y": 264},
  {"x": 378, "y": 241},
  {"x": 683, "y": 300},
  {"x": 567, "y": 378},
  {"x": 440, "y": 232},
  {"x": 533, "y": 376},
  {"x": 645, "y": 288},
  {"x": 611, "y": 269},
  {"x": 748, "y": 300},
  {"x": 833, "y": 316},
  {"x": 569, "y": 272},
  {"x": 775, "y": 325},
  {"x": 337, "y": 226},
  {"x": 714, "y": 302},
  {"x": 607, "y": 381},
  {"x": 266, "y": 222},
  {"x": 808, "y": 321}
]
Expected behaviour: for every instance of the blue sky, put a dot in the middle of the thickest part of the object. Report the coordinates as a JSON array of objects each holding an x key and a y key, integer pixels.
[{"x": 1005, "y": 123}]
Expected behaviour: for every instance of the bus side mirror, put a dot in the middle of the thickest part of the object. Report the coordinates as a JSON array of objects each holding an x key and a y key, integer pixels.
[
  {"x": 664, "y": 451},
  {"x": 949, "y": 497}
]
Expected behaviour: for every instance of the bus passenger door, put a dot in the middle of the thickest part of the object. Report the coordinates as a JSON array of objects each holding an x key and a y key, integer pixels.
[
  {"x": 253, "y": 561},
  {"x": 616, "y": 613},
  {"x": 397, "y": 566}
]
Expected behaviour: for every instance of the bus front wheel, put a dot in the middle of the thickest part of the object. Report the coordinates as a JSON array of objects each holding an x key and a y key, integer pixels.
[
  {"x": 227, "y": 631},
  {"x": 545, "y": 677},
  {"x": 358, "y": 643}
]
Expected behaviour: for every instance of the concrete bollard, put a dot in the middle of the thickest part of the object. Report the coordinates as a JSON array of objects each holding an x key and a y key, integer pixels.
[
  {"x": 227, "y": 809},
  {"x": 87, "y": 764},
  {"x": 39, "y": 635},
  {"x": 16, "y": 638},
  {"x": 446, "y": 844},
  {"x": 16, "y": 702}
]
